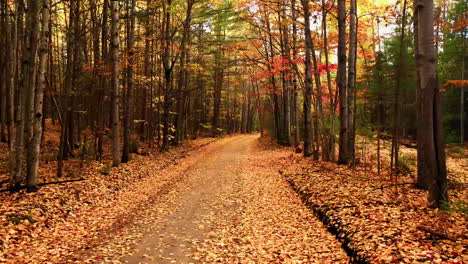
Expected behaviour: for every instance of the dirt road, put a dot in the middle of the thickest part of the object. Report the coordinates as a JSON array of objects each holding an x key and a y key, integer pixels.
[{"x": 233, "y": 207}]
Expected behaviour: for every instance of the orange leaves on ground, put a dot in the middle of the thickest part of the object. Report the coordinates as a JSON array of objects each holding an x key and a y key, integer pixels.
[
  {"x": 59, "y": 221},
  {"x": 380, "y": 225}
]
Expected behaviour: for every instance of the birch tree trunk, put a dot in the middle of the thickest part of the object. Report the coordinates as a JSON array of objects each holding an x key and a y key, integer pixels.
[
  {"x": 25, "y": 103},
  {"x": 35, "y": 148}
]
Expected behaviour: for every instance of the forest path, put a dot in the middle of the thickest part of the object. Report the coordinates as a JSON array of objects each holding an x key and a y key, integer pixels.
[{"x": 231, "y": 209}]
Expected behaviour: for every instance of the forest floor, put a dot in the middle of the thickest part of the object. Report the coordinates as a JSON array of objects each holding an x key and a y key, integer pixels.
[
  {"x": 384, "y": 218},
  {"x": 233, "y": 200},
  {"x": 220, "y": 202}
]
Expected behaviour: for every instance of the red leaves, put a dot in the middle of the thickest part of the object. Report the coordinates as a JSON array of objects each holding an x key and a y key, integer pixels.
[
  {"x": 459, "y": 25},
  {"x": 457, "y": 83}
]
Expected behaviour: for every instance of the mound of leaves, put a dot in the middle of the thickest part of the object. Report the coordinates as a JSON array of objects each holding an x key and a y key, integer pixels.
[{"x": 379, "y": 221}]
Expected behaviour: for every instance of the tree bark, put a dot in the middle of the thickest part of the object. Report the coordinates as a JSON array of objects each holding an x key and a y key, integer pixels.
[
  {"x": 115, "y": 52},
  {"x": 35, "y": 147},
  {"x": 4, "y": 70},
  {"x": 352, "y": 79},
  {"x": 432, "y": 171},
  {"x": 331, "y": 135},
  {"x": 14, "y": 181},
  {"x": 343, "y": 157},
  {"x": 308, "y": 83},
  {"x": 286, "y": 82},
  {"x": 128, "y": 118},
  {"x": 297, "y": 139},
  {"x": 167, "y": 68}
]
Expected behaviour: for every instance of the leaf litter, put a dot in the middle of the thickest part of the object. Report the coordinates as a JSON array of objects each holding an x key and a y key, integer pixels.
[
  {"x": 252, "y": 216},
  {"x": 379, "y": 220}
]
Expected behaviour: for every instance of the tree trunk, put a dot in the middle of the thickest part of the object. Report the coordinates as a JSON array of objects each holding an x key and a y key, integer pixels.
[
  {"x": 168, "y": 67},
  {"x": 343, "y": 157},
  {"x": 35, "y": 147},
  {"x": 286, "y": 83},
  {"x": 297, "y": 140},
  {"x": 128, "y": 120},
  {"x": 14, "y": 181},
  {"x": 308, "y": 83},
  {"x": 318, "y": 116},
  {"x": 67, "y": 97},
  {"x": 331, "y": 135},
  {"x": 115, "y": 83},
  {"x": 462, "y": 90},
  {"x": 352, "y": 80},
  {"x": 432, "y": 171},
  {"x": 30, "y": 71},
  {"x": 25, "y": 105},
  {"x": 4, "y": 70}
]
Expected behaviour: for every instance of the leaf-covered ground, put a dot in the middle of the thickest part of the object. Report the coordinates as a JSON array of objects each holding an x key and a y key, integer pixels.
[
  {"x": 57, "y": 222},
  {"x": 234, "y": 207},
  {"x": 221, "y": 202},
  {"x": 270, "y": 223},
  {"x": 233, "y": 200},
  {"x": 383, "y": 221}
]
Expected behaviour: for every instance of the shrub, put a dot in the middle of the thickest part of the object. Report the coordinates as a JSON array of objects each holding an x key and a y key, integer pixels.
[{"x": 405, "y": 164}]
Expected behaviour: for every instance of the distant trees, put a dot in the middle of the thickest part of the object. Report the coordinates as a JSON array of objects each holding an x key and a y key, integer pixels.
[
  {"x": 388, "y": 84},
  {"x": 88, "y": 65},
  {"x": 453, "y": 66}
]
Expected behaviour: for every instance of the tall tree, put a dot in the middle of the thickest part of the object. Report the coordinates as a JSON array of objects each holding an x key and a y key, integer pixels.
[
  {"x": 15, "y": 180},
  {"x": 308, "y": 83},
  {"x": 432, "y": 171},
  {"x": 35, "y": 146},
  {"x": 351, "y": 86},
  {"x": 128, "y": 118},
  {"x": 115, "y": 52},
  {"x": 343, "y": 156},
  {"x": 330, "y": 137}
]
